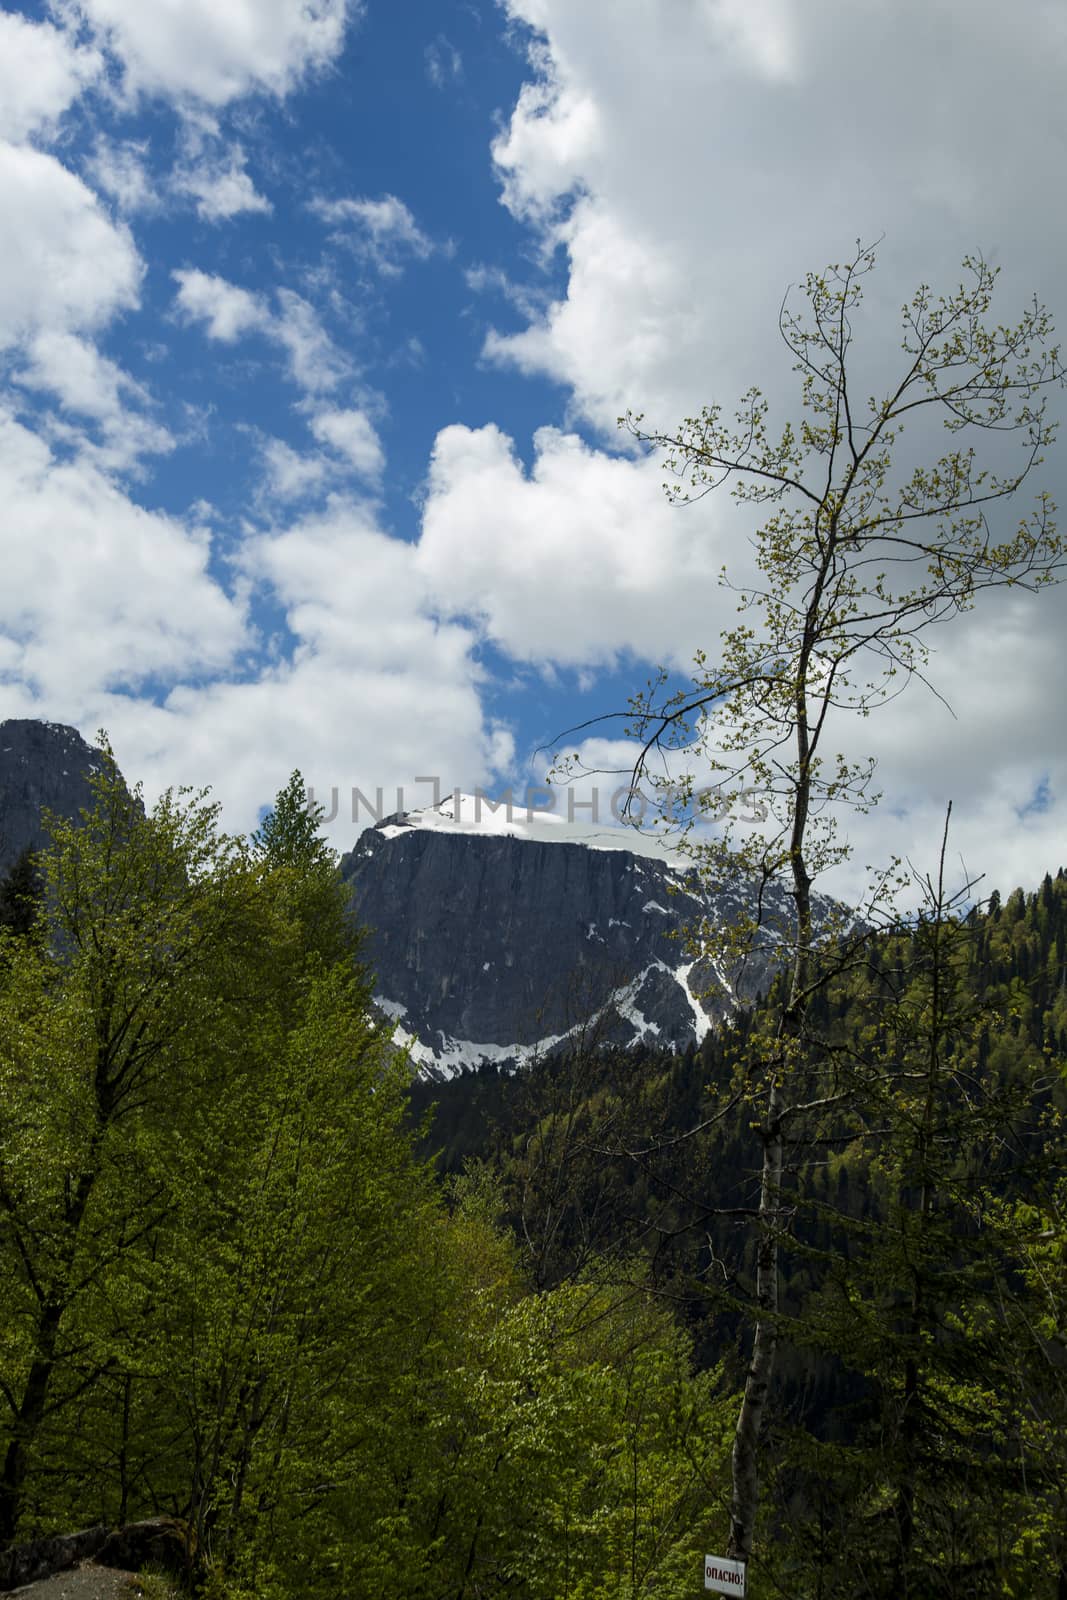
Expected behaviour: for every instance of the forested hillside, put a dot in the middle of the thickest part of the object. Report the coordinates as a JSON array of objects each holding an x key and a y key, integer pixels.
[
  {"x": 359, "y": 1345},
  {"x": 915, "y": 1439},
  {"x": 232, "y": 1293}
]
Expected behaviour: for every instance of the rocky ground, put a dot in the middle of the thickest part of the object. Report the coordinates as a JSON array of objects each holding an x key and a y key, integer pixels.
[{"x": 90, "y": 1582}]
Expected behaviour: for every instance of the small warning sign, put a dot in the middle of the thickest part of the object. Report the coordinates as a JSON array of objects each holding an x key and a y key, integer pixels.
[{"x": 725, "y": 1577}]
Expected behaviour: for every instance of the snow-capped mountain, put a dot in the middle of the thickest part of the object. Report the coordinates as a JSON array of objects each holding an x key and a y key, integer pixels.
[
  {"x": 495, "y": 938},
  {"x": 494, "y": 935}
]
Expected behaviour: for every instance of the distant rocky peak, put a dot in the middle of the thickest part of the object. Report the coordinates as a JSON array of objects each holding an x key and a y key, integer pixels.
[
  {"x": 495, "y": 938},
  {"x": 43, "y": 766}
]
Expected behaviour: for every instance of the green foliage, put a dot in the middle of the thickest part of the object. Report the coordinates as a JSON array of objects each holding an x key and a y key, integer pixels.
[
  {"x": 106, "y": 1019},
  {"x": 230, "y": 1292},
  {"x": 864, "y": 548},
  {"x": 289, "y": 834},
  {"x": 921, "y": 1381},
  {"x": 860, "y": 556},
  {"x": 20, "y": 894}
]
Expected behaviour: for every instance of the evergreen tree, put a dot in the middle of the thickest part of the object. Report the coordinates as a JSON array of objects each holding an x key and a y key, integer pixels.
[{"x": 20, "y": 894}]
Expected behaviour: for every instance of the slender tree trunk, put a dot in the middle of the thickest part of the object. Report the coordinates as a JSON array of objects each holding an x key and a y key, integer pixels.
[
  {"x": 744, "y": 1498},
  {"x": 34, "y": 1404},
  {"x": 249, "y": 1433},
  {"x": 124, "y": 1451},
  {"x": 28, "y": 1421}
]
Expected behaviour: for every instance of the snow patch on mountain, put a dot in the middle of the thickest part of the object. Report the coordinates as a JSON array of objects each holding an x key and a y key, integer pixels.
[{"x": 480, "y": 816}]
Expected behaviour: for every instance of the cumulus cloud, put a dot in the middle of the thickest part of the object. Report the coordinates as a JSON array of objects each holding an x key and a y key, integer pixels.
[
  {"x": 229, "y": 312},
  {"x": 121, "y": 169},
  {"x": 576, "y": 562},
  {"x": 994, "y": 745},
  {"x": 352, "y": 435},
  {"x": 68, "y": 270},
  {"x": 220, "y": 185},
  {"x": 351, "y": 449},
  {"x": 290, "y": 475},
  {"x": 42, "y": 72},
  {"x": 688, "y": 198},
  {"x": 681, "y": 201},
  {"x": 67, "y": 265},
  {"x": 368, "y": 691},
  {"x": 100, "y": 594},
  {"x": 217, "y": 50},
  {"x": 226, "y": 310},
  {"x": 111, "y": 616},
  {"x": 384, "y": 230},
  {"x": 684, "y": 201},
  {"x": 315, "y": 363},
  {"x": 88, "y": 385}
]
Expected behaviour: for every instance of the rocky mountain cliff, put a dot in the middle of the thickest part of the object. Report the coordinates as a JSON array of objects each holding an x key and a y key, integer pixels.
[
  {"x": 43, "y": 766},
  {"x": 495, "y": 945},
  {"x": 491, "y": 941}
]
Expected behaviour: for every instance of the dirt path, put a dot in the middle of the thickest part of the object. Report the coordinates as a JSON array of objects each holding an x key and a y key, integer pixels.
[{"x": 87, "y": 1582}]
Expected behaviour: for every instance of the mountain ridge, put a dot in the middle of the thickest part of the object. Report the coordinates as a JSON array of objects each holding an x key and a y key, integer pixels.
[
  {"x": 496, "y": 936},
  {"x": 497, "y": 946}
]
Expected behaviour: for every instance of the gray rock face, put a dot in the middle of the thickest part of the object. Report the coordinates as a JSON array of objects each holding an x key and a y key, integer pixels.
[
  {"x": 487, "y": 946},
  {"x": 491, "y": 948},
  {"x": 43, "y": 765}
]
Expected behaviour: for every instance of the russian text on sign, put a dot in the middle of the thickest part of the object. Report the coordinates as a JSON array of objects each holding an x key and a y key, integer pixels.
[{"x": 725, "y": 1577}]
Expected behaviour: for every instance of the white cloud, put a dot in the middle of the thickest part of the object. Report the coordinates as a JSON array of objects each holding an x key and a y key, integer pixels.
[
  {"x": 647, "y": 297},
  {"x": 530, "y": 300},
  {"x": 67, "y": 265},
  {"x": 681, "y": 201},
  {"x": 87, "y": 384},
  {"x": 315, "y": 363},
  {"x": 1002, "y": 732},
  {"x": 351, "y": 446},
  {"x": 121, "y": 169},
  {"x": 444, "y": 63},
  {"x": 352, "y": 434},
  {"x": 762, "y": 36},
  {"x": 685, "y": 200},
  {"x": 384, "y": 230},
  {"x": 100, "y": 594},
  {"x": 68, "y": 269},
  {"x": 554, "y": 138},
  {"x": 42, "y": 72},
  {"x": 704, "y": 187},
  {"x": 220, "y": 185},
  {"x": 573, "y": 563},
  {"x": 373, "y": 693},
  {"x": 110, "y": 616},
  {"x": 226, "y": 310},
  {"x": 290, "y": 475},
  {"x": 217, "y": 50}
]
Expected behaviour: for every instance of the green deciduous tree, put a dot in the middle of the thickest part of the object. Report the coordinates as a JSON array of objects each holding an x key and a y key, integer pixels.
[
  {"x": 866, "y": 546},
  {"x": 228, "y": 1291},
  {"x": 106, "y": 1017},
  {"x": 207, "y": 1201}
]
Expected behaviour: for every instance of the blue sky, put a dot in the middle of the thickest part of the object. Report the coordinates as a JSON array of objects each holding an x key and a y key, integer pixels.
[{"x": 315, "y": 321}]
